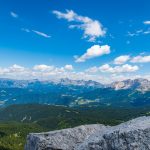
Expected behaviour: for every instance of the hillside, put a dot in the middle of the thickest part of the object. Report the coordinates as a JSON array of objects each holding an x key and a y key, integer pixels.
[
  {"x": 17, "y": 121},
  {"x": 31, "y": 113}
]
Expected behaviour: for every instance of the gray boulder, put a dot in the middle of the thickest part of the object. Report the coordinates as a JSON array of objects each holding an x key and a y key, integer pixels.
[
  {"x": 66, "y": 139},
  {"x": 132, "y": 135}
]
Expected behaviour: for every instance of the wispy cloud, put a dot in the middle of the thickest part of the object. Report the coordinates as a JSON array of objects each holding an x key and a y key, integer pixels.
[
  {"x": 25, "y": 30},
  {"x": 14, "y": 15},
  {"x": 41, "y": 34},
  {"x": 139, "y": 32},
  {"x": 92, "y": 29},
  {"x": 36, "y": 32}
]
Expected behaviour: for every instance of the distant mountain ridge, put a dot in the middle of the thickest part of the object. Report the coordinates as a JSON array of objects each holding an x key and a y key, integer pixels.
[
  {"x": 136, "y": 84},
  {"x": 75, "y": 92},
  {"x": 139, "y": 83},
  {"x": 12, "y": 83},
  {"x": 89, "y": 83}
]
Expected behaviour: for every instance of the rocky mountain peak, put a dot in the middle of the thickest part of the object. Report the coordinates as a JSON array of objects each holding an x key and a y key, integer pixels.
[
  {"x": 136, "y": 84},
  {"x": 90, "y": 83}
]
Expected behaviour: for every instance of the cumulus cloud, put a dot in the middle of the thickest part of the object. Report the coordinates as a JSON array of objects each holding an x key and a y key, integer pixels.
[
  {"x": 16, "y": 68},
  {"x": 92, "y": 29},
  {"x": 68, "y": 67},
  {"x": 103, "y": 74},
  {"x": 147, "y": 22},
  {"x": 3, "y": 71},
  {"x": 118, "y": 69},
  {"x": 94, "y": 51},
  {"x": 121, "y": 59},
  {"x": 14, "y": 71},
  {"x": 141, "y": 59},
  {"x": 92, "y": 69},
  {"x": 43, "y": 67},
  {"x": 14, "y": 15}
]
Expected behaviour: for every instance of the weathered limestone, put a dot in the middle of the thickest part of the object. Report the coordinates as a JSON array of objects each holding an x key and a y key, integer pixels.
[{"x": 132, "y": 135}]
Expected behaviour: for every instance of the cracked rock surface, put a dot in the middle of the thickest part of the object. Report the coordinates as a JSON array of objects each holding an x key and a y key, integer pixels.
[{"x": 132, "y": 135}]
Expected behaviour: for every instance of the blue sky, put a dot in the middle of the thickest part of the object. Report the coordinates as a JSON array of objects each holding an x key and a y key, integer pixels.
[{"x": 94, "y": 39}]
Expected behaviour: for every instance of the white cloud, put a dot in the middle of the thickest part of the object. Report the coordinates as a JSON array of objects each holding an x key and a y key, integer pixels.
[
  {"x": 14, "y": 71},
  {"x": 121, "y": 59},
  {"x": 92, "y": 69},
  {"x": 146, "y": 32},
  {"x": 69, "y": 15},
  {"x": 41, "y": 34},
  {"x": 103, "y": 74},
  {"x": 25, "y": 30},
  {"x": 43, "y": 67},
  {"x": 118, "y": 69},
  {"x": 94, "y": 51},
  {"x": 139, "y": 32},
  {"x": 92, "y": 29},
  {"x": 141, "y": 59},
  {"x": 14, "y": 15},
  {"x": 3, "y": 71},
  {"x": 36, "y": 32},
  {"x": 136, "y": 33},
  {"x": 68, "y": 67},
  {"x": 16, "y": 68},
  {"x": 147, "y": 22}
]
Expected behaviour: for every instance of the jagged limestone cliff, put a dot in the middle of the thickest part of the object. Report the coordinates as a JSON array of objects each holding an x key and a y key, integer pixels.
[{"x": 132, "y": 135}]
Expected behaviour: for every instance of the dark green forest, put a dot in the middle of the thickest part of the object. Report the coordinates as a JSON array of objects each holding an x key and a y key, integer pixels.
[{"x": 17, "y": 121}]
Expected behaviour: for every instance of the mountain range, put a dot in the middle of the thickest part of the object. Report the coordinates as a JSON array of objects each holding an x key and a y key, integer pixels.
[{"x": 75, "y": 92}]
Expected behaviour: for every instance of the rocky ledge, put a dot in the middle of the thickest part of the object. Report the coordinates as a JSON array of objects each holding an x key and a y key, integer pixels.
[{"x": 132, "y": 135}]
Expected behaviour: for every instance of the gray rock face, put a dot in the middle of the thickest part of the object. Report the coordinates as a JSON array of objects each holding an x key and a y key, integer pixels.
[
  {"x": 132, "y": 135},
  {"x": 66, "y": 139},
  {"x": 140, "y": 84}
]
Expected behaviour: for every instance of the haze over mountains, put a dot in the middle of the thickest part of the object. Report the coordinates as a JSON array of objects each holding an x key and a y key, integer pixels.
[
  {"x": 75, "y": 92},
  {"x": 138, "y": 83}
]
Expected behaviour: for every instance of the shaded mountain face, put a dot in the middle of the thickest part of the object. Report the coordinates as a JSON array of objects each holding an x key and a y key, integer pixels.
[{"x": 75, "y": 92}]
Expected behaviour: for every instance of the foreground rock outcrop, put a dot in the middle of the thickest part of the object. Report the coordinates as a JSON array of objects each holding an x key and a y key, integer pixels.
[
  {"x": 66, "y": 139},
  {"x": 132, "y": 135}
]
